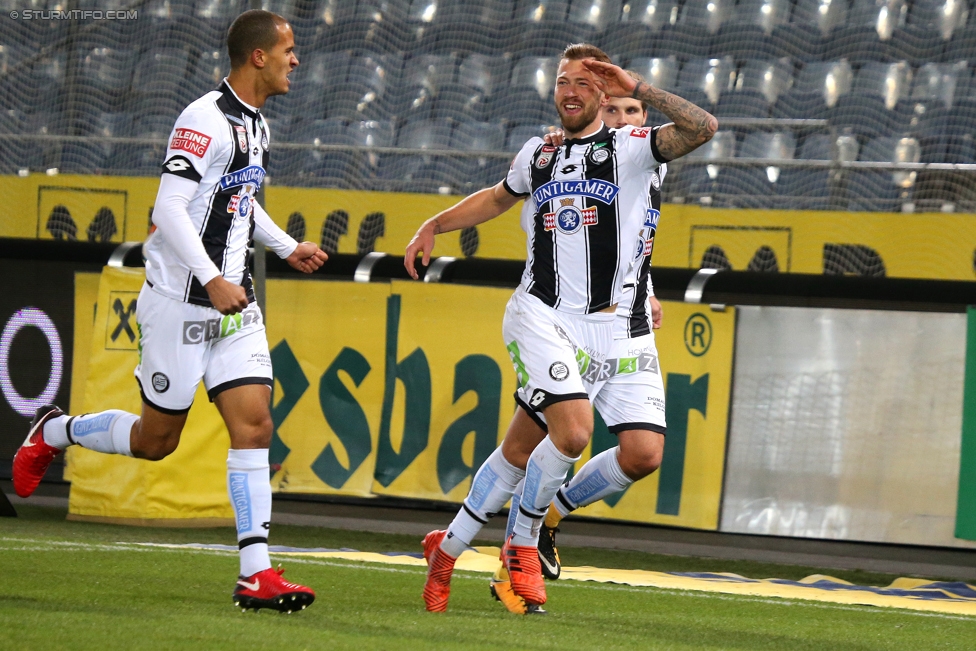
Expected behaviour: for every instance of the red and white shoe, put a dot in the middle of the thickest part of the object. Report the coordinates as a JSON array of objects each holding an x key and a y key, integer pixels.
[
  {"x": 267, "y": 589},
  {"x": 525, "y": 572},
  {"x": 440, "y": 566},
  {"x": 33, "y": 458}
]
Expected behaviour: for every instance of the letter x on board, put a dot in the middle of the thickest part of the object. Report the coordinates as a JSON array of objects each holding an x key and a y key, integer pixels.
[{"x": 124, "y": 314}]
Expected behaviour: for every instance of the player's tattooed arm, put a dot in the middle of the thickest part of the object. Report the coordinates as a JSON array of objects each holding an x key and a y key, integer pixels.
[{"x": 692, "y": 126}]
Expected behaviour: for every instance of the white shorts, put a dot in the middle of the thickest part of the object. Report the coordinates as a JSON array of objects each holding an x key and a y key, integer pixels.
[
  {"x": 181, "y": 344},
  {"x": 559, "y": 356}
]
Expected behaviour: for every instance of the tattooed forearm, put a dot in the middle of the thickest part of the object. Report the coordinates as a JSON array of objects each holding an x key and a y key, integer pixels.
[{"x": 693, "y": 126}]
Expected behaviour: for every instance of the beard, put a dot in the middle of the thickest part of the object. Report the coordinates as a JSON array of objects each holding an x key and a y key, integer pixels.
[{"x": 578, "y": 122}]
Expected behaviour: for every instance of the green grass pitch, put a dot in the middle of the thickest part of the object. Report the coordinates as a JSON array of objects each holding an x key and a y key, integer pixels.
[{"x": 66, "y": 585}]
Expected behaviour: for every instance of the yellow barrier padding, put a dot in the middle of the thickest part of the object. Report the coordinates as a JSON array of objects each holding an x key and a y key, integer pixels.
[{"x": 907, "y": 593}]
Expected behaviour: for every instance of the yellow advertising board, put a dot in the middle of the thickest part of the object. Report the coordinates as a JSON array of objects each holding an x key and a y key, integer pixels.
[
  {"x": 924, "y": 245},
  {"x": 187, "y": 488}
]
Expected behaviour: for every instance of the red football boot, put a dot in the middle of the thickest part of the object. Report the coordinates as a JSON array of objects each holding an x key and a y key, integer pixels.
[
  {"x": 525, "y": 572},
  {"x": 440, "y": 566},
  {"x": 34, "y": 456},
  {"x": 267, "y": 589}
]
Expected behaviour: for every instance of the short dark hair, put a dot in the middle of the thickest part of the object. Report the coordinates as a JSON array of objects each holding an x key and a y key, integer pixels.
[
  {"x": 579, "y": 51},
  {"x": 252, "y": 30},
  {"x": 636, "y": 76}
]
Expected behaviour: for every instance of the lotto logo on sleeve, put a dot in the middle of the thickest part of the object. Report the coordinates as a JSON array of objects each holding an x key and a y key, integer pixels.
[
  {"x": 640, "y": 132},
  {"x": 190, "y": 141}
]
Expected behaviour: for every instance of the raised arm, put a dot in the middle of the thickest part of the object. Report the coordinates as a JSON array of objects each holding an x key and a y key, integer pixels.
[
  {"x": 691, "y": 127},
  {"x": 472, "y": 210}
]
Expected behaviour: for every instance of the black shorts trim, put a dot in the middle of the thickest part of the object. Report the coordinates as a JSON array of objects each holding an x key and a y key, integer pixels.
[
  {"x": 473, "y": 514},
  {"x": 239, "y": 382},
  {"x": 553, "y": 398},
  {"x": 162, "y": 410},
  {"x": 253, "y": 540},
  {"x": 512, "y": 192},
  {"x": 531, "y": 412},
  {"x": 67, "y": 431},
  {"x": 623, "y": 427}
]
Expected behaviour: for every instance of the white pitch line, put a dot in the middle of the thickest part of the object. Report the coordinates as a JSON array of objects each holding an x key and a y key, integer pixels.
[{"x": 40, "y": 545}]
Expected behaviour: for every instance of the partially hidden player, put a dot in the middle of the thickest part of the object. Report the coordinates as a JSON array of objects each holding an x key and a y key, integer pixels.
[
  {"x": 586, "y": 204},
  {"x": 196, "y": 314},
  {"x": 639, "y": 452}
]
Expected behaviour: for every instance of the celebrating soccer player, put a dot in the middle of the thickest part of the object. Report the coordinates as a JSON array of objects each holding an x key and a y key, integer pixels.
[
  {"x": 572, "y": 331},
  {"x": 196, "y": 312}
]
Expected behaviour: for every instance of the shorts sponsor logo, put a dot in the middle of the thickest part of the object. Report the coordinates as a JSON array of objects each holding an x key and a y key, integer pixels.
[
  {"x": 241, "y": 137},
  {"x": 160, "y": 383},
  {"x": 198, "y": 332},
  {"x": 602, "y": 191},
  {"x": 250, "y": 174},
  {"x": 190, "y": 141},
  {"x": 603, "y": 371},
  {"x": 538, "y": 398},
  {"x": 569, "y": 219},
  {"x": 640, "y": 132},
  {"x": 558, "y": 371}
]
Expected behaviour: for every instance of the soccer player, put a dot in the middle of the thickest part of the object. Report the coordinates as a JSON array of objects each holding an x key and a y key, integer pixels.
[
  {"x": 196, "y": 313},
  {"x": 586, "y": 204}
]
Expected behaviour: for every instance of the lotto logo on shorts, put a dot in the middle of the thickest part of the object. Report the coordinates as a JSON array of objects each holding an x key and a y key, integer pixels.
[
  {"x": 640, "y": 132},
  {"x": 190, "y": 141}
]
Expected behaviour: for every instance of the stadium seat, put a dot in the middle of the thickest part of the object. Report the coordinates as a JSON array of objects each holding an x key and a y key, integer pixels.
[
  {"x": 210, "y": 69},
  {"x": 535, "y": 73},
  {"x": 811, "y": 189},
  {"x": 864, "y": 115},
  {"x": 376, "y": 70},
  {"x": 359, "y": 101},
  {"x": 867, "y": 33},
  {"x": 412, "y": 103},
  {"x": 521, "y": 105},
  {"x": 458, "y": 35},
  {"x": 371, "y": 133},
  {"x": 425, "y": 134},
  {"x": 637, "y": 33},
  {"x": 710, "y": 76},
  {"x": 937, "y": 82},
  {"x": 915, "y": 44},
  {"x": 742, "y": 104},
  {"x": 755, "y": 187},
  {"x": 771, "y": 78},
  {"x": 805, "y": 36},
  {"x": 462, "y": 103},
  {"x": 749, "y": 31},
  {"x": 944, "y": 16},
  {"x": 162, "y": 73},
  {"x": 476, "y": 173},
  {"x": 430, "y": 70},
  {"x": 485, "y": 73},
  {"x": 597, "y": 14},
  {"x": 883, "y": 189},
  {"x": 216, "y": 16},
  {"x": 521, "y": 134},
  {"x": 309, "y": 165},
  {"x": 817, "y": 87},
  {"x": 962, "y": 45},
  {"x": 660, "y": 72}
]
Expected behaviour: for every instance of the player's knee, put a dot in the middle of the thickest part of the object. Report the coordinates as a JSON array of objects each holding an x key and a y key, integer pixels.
[
  {"x": 572, "y": 439},
  {"x": 640, "y": 464},
  {"x": 258, "y": 431},
  {"x": 156, "y": 448}
]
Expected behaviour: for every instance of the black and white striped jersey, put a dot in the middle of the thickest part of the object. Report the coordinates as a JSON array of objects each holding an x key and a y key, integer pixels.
[
  {"x": 633, "y": 311},
  {"x": 586, "y": 203},
  {"x": 221, "y": 143}
]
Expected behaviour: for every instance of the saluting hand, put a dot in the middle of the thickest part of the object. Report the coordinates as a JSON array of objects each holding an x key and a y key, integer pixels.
[{"x": 611, "y": 79}]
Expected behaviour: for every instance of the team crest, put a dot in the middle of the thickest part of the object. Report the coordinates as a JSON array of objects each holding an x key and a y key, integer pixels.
[
  {"x": 599, "y": 155},
  {"x": 242, "y": 202},
  {"x": 241, "y": 137},
  {"x": 569, "y": 219},
  {"x": 545, "y": 157}
]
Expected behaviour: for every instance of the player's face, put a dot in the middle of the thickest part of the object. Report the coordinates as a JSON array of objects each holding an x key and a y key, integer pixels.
[
  {"x": 622, "y": 112},
  {"x": 578, "y": 98},
  {"x": 280, "y": 61}
]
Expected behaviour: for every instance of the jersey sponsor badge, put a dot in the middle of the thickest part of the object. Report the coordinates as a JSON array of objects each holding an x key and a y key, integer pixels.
[
  {"x": 640, "y": 132},
  {"x": 651, "y": 218},
  {"x": 241, "y": 137},
  {"x": 643, "y": 248},
  {"x": 545, "y": 156},
  {"x": 569, "y": 219},
  {"x": 190, "y": 141}
]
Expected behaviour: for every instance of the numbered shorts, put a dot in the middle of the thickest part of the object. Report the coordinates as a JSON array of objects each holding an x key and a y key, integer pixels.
[
  {"x": 181, "y": 344},
  {"x": 561, "y": 356}
]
